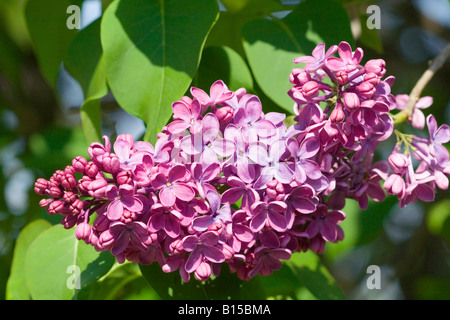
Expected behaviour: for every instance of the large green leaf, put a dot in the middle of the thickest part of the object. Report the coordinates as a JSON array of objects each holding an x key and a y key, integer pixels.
[
  {"x": 85, "y": 62},
  {"x": 223, "y": 63},
  {"x": 272, "y": 44},
  {"x": 152, "y": 50},
  {"x": 56, "y": 261},
  {"x": 16, "y": 288},
  {"x": 47, "y": 26}
]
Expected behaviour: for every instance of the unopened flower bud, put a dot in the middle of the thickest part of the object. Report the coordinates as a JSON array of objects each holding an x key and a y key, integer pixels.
[
  {"x": 376, "y": 66},
  {"x": 97, "y": 188},
  {"x": 58, "y": 175},
  {"x": 372, "y": 78},
  {"x": 83, "y": 231},
  {"x": 398, "y": 162},
  {"x": 341, "y": 77},
  {"x": 299, "y": 76},
  {"x": 224, "y": 114},
  {"x": 45, "y": 202},
  {"x": 69, "y": 197},
  {"x": 83, "y": 184},
  {"x": 101, "y": 223},
  {"x": 395, "y": 184},
  {"x": 351, "y": 101},
  {"x": 176, "y": 246},
  {"x": 55, "y": 191},
  {"x": 216, "y": 227},
  {"x": 40, "y": 186},
  {"x": 110, "y": 162},
  {"x": 124, "y": 177},
  {"x": 79, "y": 163},
  {"x": 55, "y": 207},
  {"x": 203, "y": 271},
  {"x": 310, "y": 89},
  {"x": 91, "y": 169},
  {"x": 76, "y": 206},
  {"x": 69, "y": 221},
  {"x": 366, "y": 89},
  {"x": 69, "y": 181},
  {"x": 338, "y": 114}
]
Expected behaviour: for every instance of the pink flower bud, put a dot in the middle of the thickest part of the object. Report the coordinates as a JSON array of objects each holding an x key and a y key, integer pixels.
[
  {"x": 372, "y": 78},
  {"x": 176, "y": 246},
  {"x": 376, "y": 66},
  {"x": 101, "y": 223},
  {"x": 338, "y": 114},
  {"x": 351, "y": 101},
  {"x": 40, "y": 186},
  {"x": 45, "y": 202},
  {"x": 203, "y": 271},
  {"x": 58, "y": 175},
  {"x": 55, "y": 191},
  {"x": 69, "y": 197},
  {"x": 227, "y": 251},
  {"x": 310, "y": 89},
  {"x": 96, "y": 150},
  {"x": 69, "y": 221},
  {"x": 395, "y": 184},
  {"x": 224, "y": 114},
  {"x": 83, "y": 184},
  {"x": 366, "y": 89},
  {"x": 79, "y": 163},
  {"x": 299, "y": 76},
  {"x": 124, "y": 177},
  {"x": 398, "y": 162},
  {"x": 83, "y": 231},
  {"x": 110, "y": 162},
  {"x": 55, "y": 207},
  {"x": 97, "y": 188},
  {"x": 341, "y": 77},
  {"x": 69, "y": 181},
  {"x": 91, "y": 169},
  {"x": 76, "y": 206},
  {"x": 217, "y": 227}
]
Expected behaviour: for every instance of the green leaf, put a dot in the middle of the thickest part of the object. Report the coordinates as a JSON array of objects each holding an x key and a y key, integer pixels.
[
  {"x": 152, "y": 50},
  {"x": 85, "y": 62},
  {"x": 58, "y": 265},
  {"x": 226, "y": 286},
  {"x": 272, "y": 44},
  {"x": 223, "y": 63},
  {"x": 47, "y": 26},
  {"x": 16, "y": 288},
  {"x": 314, "y": 276}
]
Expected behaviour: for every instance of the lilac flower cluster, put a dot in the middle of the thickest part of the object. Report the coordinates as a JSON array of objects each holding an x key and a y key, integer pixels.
[{"x": 227, "y": 183}]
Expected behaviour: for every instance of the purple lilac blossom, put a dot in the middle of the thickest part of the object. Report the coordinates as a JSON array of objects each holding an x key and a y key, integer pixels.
[{"x": 226, "y": 182}]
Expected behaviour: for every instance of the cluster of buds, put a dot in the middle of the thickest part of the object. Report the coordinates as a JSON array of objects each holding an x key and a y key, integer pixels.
[{"x": 226, "y": 183}]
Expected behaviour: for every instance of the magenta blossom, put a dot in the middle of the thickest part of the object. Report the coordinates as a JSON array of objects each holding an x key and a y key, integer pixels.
[
  {"x": 203, "y": 247},
  {"x": 173, "y": 185}
]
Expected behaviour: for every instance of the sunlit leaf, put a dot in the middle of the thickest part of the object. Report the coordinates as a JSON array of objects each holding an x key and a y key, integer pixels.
[
  {"x": 57, "y": 265},
  {"x": 152, "y": 50},
  {"x": 281, "y": 40},
  {"x": 16, "y": 288}
]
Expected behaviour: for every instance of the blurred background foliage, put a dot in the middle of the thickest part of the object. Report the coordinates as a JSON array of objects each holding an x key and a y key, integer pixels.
[{"x": 40, "y": 131}]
